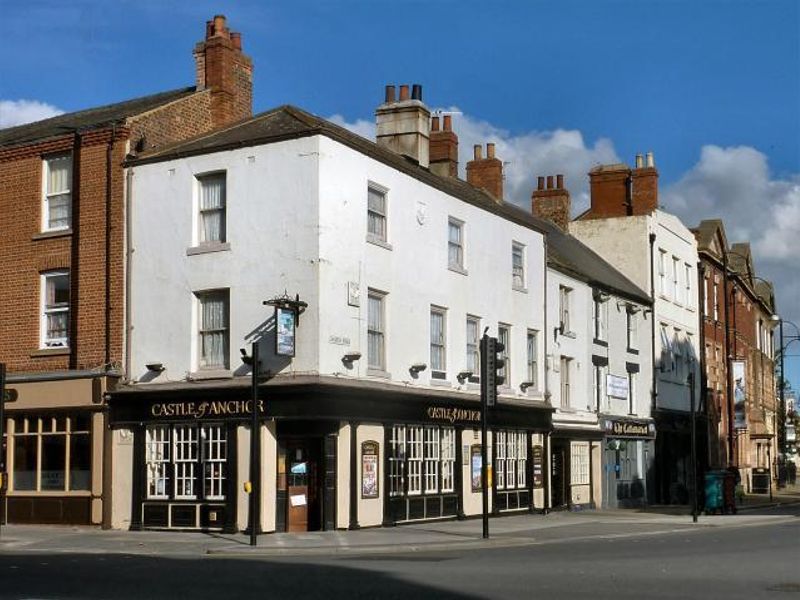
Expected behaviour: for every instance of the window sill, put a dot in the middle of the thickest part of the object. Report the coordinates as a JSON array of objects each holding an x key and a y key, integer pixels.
[
  {"x": 518, "y": 288},
  {"x": 55, "y": 233},
  {"x": 208, "y": 248},
  {"x": 569, "y": 334},
  {"x": 440, "y": 383},
  {"x": 457, "y": 269},
  {"x": 379, "y": 242},
  {"x": 633, "y": 351},
  {"x": 378, "y": 373},
  {"x": 600, "y": 342},
  {"x": 211, "y": 374},
  {"x": 42, "y": 352},
  {"x": 49, "y": 493}
]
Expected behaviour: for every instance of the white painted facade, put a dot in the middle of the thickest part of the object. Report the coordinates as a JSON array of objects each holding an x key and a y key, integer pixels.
[
  {"x": 296, "y": 222},
  {"x": 624, "y": 242}
]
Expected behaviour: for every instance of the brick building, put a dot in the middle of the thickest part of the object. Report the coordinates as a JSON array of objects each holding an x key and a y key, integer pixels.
[
  {"x": 63, "y": 299},
  {"x": 738, "y": 380}
]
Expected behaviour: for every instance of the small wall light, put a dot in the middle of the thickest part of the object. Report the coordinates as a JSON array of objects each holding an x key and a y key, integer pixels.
[
  {"x": 417, "y": 368},
  {"x": 463, "y": 376},
  {"x": 351, "y": 357},
  {"x": 246, "y": 358},
  {"x": 525, "y": 385},
  {"x": 155, "y": 367}
]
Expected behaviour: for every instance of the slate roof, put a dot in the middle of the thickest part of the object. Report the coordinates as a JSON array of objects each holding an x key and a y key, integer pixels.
[
  {"x": 88, "y": 119},
  {"x": 288, "y": 122}
]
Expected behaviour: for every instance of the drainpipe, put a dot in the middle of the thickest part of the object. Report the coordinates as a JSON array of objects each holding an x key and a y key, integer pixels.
[
  {"x": 109, "y": 155},
  {"x": 74, "y": 266},
  {"x": 653, "y": 390},
  {"x": 702, "y": 407},
  {"x": 547, "y": 466},
  {"x": 128, "y": 261}
]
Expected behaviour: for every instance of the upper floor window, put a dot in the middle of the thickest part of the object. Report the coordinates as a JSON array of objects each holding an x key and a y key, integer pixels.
[
  {"x": 438, "y": 341},
  {"x": 376, "y": 214},
  {"x": 675, "y": 290},
  {"x": 631, "y": 393},
  {"x": 455, "y": 244},
  {"x": 213, "y": 332},
  {"x": 532, "y": 358},
  {"x": 212, "y": 204},
  {"x": 566, "y": 364},
  {"x": 632, "y": 326},
  {"x": 57, "y": 213},
  {"x": 662, "y": 272},
  {"x": 687, "y": 284},
  {"x": 564, "y": 299},
  {"x": 504, "y": 337},
  {"x": 376, "y": 355},
  {"x": 55, "y": 310},
  {"x": 599, "y": 316},
  {"x": 473, "y": 341},
  {"x": 518, "y": 266},
  {"x": 716, "y": 300}
]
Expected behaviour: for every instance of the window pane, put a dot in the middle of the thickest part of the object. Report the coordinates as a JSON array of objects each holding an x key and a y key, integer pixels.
[
  {"x": 214, "y": 330},
  {"x": 59, "y": 174},
  {"x": 375, "y": 357},
  {"x": 80, "y": 461},
  {"x": 54, "y": 448},
  {"x": 212, "y": 208},
  {"x": 25, "y": 457},
  {"x": 437, "y": 341},
  {"x": 57, "y": 292},
  {"x": 59, "y": 211}
]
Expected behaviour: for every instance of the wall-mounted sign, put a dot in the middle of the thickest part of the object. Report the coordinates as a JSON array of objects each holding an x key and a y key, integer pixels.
[
  {"x": 629, "y": 428},
  {"x": 369, "y": 469},
  {"x": 453, "y": 414},
  {"x": 353, "y": 293},
  {"x": 285, "y": 331},
  {"x": 476, "y": 462},
  {"x": 538, "y": 466},
  {"x": 205, "y": 409},
  {"x": 616, "y": 387},
  {"x": 739, "y": 394}
]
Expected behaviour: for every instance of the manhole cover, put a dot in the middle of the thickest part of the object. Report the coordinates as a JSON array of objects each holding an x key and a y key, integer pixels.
[{"x": 785, "y": 587}]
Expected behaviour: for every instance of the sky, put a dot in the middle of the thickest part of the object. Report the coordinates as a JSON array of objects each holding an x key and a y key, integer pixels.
[{"x": 712, "y": 87}]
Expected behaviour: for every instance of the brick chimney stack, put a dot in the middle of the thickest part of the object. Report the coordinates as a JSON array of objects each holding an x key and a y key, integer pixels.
[
  {"x": 403, "y": 125},
  {"x": 552, "y": 202},
  {"x": 486, "y": 173},
  {"x": 222, "y": 68},
  {"x": 444, "y": 147},
  {"x": 619, "y": 191}
]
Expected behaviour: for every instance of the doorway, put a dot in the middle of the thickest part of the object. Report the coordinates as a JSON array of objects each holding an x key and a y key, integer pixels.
[
  {"x": 299, "y": 485},
  {"x": 559, "y": 474}
]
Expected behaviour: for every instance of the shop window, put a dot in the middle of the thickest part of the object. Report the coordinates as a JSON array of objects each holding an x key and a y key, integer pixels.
[
  {"x": 511, "y": 457},
  {"x": 579, "y": 463},
  {"x": 176, "y": 467},
  {"x": 431, "y": 460},
  {"x": 397, "y": 456},
  {"x": 51, "y": 454},
  {"x": 423, "y": 459}
]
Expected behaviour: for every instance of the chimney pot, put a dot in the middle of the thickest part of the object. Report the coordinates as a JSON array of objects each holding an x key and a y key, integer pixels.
[
  {"x": 416, "y": 92},
  {"x": 448, "y": 123},
  {"x": 236, "y": 38},
  {"x": 559, "y": 182},
  {"x": 389, "y": 94},
  {"x": 639, "y": 161},
  {"x": 540, "y": 183},
  {"x": 650, "y": 160},
  {"x": 403, "y": 92},
  {"x": 219, "y": 24},
  {"x": 435, "y": 124},
  {"x": 549, "y": 182},
  {"x": 477, "y": 152},
  {"x": 490, "y": 150}
]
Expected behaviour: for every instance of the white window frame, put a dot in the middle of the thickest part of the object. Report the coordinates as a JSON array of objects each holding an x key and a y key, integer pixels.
[
  {"x": 504, "y": 337},
  {"x": 716, "y": 298},
  {"x": 632, "y": 392},
  {"x": 204, "y": 331},
  {"x": 632, "y": 329},
  {"x": 376, "y": 330},
  {"x": 675, "y": 281},
  {"x": 414, "y": 458},
  {"x": 185, "y": 454},
  {"x": 432, "y": 448},
  {"x": 662, "y": 272},
  {"x": 49, "y": 196},
  {"x": 214, "y": 439},
  {"x": 564, "y": 300},
  {"x": 203, "y": 213},
  {"x": 157, "y": 459},
  {"x": 565, "y": 381},
  {"x": 518, "y": 265},
  {"x": 51, "y": 310},
  {"x": 473, "y": 346},
  {"x": 438, "y": 344},
  {"x": 599, "y": 317},
  {"x": 532, "y": 358},
  {"x": 448, "y": 459},
  {"x": 377, "y": 215},
  {"x": 687, "y": 284},
  {"x": 455, "y": 247},
  {"x": 397, "y": 457}
]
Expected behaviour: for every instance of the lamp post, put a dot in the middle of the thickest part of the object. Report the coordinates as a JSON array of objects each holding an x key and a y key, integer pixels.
[
  {"x": 694, "y": 443},
  {"x": 782, "y": 389}
]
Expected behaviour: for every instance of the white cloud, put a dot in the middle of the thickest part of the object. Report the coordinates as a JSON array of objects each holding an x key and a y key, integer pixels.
[
  {"x": 18, "y": 112},
  {"x": 735, "y": 184}
]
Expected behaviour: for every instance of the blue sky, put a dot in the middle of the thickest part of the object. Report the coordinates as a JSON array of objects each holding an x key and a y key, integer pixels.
[{"x": 711, "y": 86}]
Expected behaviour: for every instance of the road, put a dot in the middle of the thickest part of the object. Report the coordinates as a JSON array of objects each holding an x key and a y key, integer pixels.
[{"x": 754, "y": 561}]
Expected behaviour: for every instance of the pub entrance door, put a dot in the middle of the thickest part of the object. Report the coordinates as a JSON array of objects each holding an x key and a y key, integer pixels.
[
  {"x": 560, "y": 474},
  {"x": 306, "y": 483}
]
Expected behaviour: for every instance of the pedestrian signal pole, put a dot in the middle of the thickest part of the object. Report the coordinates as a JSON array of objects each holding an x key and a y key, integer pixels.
[{"x": 490, "y": 364}]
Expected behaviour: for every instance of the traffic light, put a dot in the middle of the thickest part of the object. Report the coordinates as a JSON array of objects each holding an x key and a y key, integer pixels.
[{"x": 491, "y": 362}]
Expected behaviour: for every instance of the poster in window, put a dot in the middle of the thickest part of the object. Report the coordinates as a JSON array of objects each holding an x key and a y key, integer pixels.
[
  {"x": 284, "y": 335},
  {"x": 476, "y": 463},
  {"x": 739, "y": 395},
  {"x": 369, "y": 469}
]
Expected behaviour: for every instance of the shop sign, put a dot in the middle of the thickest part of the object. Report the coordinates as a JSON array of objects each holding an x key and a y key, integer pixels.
[
  {"x": 630, "y": 429},
  {"x": 369, "y": 469},
  {"x": 739, "y": 394},
  {"x": 453, "y": 414},
  {"x": 538, "y": 466},
  {"x": 285, "y": 333},
  {"x": 616, "y": 387},
  {"x": 209, "y": 408}
]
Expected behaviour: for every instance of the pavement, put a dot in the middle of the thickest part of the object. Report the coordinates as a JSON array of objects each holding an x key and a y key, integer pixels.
[{"x": 507, "y": 531}]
